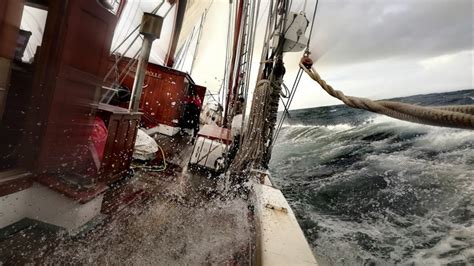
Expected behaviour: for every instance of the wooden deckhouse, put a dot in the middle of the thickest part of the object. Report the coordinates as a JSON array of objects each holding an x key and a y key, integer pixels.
[
  {"x": 164, "y": 93},
  {"x": 48, "y": 108}
]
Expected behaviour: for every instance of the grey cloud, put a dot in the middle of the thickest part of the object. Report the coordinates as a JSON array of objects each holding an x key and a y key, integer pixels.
[{"x": 357, "y": 31}]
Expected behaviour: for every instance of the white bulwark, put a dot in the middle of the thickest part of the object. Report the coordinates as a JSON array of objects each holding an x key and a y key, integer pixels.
[
  {"x": 48, "y": 206},
  {"x": 280, "y": 240}
]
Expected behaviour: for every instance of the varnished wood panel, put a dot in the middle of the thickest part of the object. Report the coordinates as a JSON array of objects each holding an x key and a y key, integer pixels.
[
  {"x": 73, "y": 60},
  {"x": 122, "y": 131},
  {"x": 163, "y": 94}
]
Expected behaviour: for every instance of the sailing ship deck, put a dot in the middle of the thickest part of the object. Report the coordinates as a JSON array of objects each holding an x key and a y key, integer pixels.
[{"x": 179, "y": 218}]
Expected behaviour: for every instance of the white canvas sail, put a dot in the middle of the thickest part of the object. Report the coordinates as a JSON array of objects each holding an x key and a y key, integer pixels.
[
  {"x": 131, "y": 17},
  {"x": 34, "y": 20},
  {"x": 209, "y": 63}
]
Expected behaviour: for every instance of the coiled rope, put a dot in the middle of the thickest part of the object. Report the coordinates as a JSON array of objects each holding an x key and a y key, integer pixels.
[
  {"x": 255, "y": 143},
  {"x": 456, "y": 116}
]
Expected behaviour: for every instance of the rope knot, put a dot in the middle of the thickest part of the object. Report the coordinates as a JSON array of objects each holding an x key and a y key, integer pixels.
[{"x": 306, "y": 61}]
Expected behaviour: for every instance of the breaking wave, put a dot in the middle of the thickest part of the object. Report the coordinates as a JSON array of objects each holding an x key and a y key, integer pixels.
[{"x": 369, "y": 189}]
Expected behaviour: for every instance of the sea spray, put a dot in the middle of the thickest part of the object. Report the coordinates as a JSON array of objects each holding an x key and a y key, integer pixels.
[{"x": 372, "y": 189}]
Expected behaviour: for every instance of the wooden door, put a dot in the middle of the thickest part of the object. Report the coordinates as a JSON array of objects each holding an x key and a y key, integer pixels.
[{"x": 72, "y": 62}]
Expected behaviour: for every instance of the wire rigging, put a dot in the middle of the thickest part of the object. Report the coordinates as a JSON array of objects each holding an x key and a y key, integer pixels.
[
  {"x": 298, "y": 77},
  {"x": 154, "y": 11},
  {"x": 312, "y": 25},
  {"x": 290, "y": 100}
]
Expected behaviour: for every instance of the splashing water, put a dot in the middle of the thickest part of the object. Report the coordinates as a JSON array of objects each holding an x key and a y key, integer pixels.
[
  {"x": 180, "y": 223},
  {"x": 371, "y": 189}
]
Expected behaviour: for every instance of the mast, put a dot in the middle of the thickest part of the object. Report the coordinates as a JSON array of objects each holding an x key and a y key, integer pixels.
[
  {"x": 230, "y": 89},
  {"x": 179, "y": 18},
  {"x": 255, "y": 151},
  {"x": 240, "y": 65}
]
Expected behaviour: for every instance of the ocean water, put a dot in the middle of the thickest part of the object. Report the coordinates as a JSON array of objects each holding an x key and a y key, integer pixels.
[{"x": 371, "y": 190}]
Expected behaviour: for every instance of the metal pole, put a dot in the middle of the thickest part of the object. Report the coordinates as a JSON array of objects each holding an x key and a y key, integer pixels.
[
  {"x": 136, "y": 29},
  {"x": 151, "y": 29},
  {"x": 140, "y": 73}
]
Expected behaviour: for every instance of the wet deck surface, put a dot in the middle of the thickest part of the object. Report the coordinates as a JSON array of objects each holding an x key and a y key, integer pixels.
[{"x": 180, "y": 219}]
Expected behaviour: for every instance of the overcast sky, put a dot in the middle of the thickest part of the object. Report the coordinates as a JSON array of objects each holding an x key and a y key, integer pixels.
[
  {"x": 368, "y": 48},
  {"x": 387, "y": 48}
]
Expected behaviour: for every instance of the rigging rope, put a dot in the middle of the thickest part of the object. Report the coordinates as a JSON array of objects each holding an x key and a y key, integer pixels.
[
  {"x": 153, "y": 168},
  {"x": 154, "y": 11},
  {"x": 254, "y": 144},
  {"x": 444, "y": 116},
  {"x": 290, "y": 100},
  {"x": 255, "y": 150},
  {"x": 298, "y": 75},
  {"x": 122, "y": 55}
]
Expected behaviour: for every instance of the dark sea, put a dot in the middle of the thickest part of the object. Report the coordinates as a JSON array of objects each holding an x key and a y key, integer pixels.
[{"x": 371, "y": 190}]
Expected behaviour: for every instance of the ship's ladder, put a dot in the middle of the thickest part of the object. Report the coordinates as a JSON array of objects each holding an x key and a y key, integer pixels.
[{"x": 242, "y": 66}]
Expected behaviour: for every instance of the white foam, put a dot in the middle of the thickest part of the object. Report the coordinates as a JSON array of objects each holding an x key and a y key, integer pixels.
[
  {"x": 460, "y": 241},
  {"x": 382, "y": 119},
  {"x": 445, "y": 139},
  {"x": 431, "y": 165},
  {"x": 337, "y": 127}
]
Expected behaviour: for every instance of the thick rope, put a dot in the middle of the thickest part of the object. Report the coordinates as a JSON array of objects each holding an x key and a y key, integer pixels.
[{"x": 444, "y": 116}]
